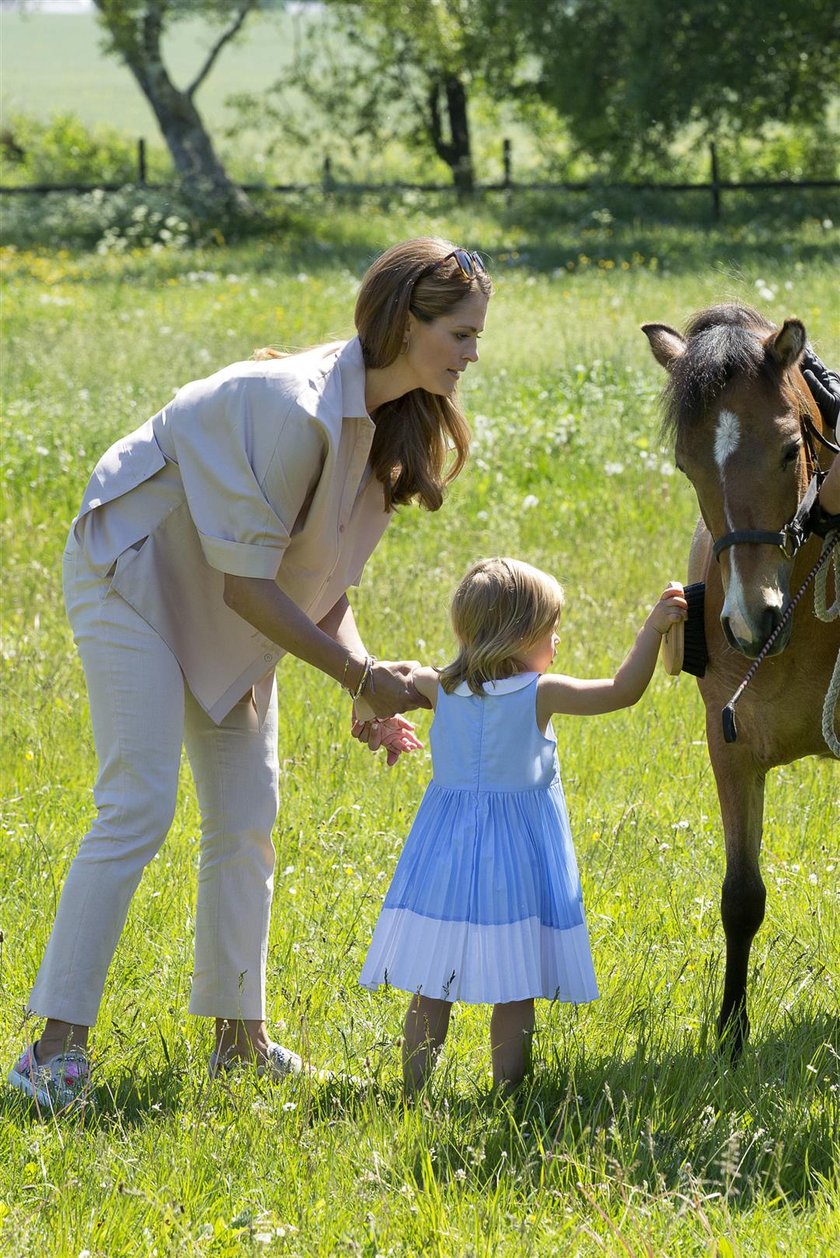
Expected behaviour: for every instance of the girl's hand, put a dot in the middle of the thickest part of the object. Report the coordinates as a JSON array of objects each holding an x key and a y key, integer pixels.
[
  {"x": 670, "y": 609},
  {"x": 395, "y": 734}
]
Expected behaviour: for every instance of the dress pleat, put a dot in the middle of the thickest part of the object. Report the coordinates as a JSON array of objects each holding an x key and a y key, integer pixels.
[{"x": 485, "y": 905}]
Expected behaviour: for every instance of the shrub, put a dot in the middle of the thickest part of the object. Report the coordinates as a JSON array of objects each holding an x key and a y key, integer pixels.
[
  {"x": 64, "y": 150},
  {"x": 110, "y": 222}
]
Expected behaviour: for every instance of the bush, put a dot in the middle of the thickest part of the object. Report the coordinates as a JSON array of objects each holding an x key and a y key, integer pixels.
[
  {"x": 64, "y": 150},
  {"x": 110, "y": 222}
]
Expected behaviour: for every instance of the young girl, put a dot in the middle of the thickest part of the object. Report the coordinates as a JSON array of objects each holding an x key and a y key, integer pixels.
[{"x": 485, "y": 905}]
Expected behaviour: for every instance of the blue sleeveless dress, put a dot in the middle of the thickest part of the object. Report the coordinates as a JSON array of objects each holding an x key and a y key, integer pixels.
[{"x": 485, "y": 905}]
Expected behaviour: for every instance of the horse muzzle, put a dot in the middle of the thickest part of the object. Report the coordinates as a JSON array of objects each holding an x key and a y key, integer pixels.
[{"x": 749, "y": 633}]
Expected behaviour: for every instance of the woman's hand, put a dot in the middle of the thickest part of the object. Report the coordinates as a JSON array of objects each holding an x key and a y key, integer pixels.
[
  {"x": 670, "y": 609},
  {"x": 390, "y": 689},
  {"x": 395, "y": 733}
]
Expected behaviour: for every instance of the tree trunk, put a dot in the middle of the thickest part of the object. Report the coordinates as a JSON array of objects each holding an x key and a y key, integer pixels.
[
  {"x": 138, "y": 43},
  {"x": 455, "y": 151},
  {"x": 200, "y": 170}
]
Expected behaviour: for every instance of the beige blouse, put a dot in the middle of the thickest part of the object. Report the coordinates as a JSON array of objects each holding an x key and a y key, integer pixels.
[{"x": 260, "y": 470}]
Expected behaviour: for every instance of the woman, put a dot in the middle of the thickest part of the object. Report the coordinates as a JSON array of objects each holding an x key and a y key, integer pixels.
[
  {"x": 825, "y": 388},
  {"x": 221, "y": 534}
]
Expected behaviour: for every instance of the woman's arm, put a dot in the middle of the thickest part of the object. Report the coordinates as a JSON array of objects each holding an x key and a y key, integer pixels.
[
  {"x": 264, "y": 605},
  {"x": 825, "y": 388},
  {"x": 580, "y": 697},
  {"x": 395, "y": 734}
]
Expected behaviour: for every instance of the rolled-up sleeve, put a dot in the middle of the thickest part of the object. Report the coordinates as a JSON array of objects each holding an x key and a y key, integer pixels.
[{"x": 247, "y": 459}]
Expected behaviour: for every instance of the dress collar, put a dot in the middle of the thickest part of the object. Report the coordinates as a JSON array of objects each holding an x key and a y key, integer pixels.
[{"x": 504, "y": 686}]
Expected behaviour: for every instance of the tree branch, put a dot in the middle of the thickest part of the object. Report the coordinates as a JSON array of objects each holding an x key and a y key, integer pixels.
[{"x": 245, "y": 8}]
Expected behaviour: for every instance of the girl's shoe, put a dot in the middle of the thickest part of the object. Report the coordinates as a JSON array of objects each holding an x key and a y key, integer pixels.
[
  {"x": 55, "y": 1084},
  {"x": 279, "y": 1062}
]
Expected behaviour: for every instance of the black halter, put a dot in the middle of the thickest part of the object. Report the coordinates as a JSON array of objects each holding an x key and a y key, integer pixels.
[
  {"x": 789, "y": 539},
  {"x": 795, "y": 533}
]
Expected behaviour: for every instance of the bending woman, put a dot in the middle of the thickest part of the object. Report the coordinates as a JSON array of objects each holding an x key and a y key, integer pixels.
[{"x": 220, "y": 535}]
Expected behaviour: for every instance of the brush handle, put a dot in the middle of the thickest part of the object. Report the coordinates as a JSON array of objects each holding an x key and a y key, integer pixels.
[{"x": 673, "y": 648}]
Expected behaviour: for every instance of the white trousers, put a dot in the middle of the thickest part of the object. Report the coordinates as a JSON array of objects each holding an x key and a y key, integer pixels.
[{"x": 142, "y": 714}]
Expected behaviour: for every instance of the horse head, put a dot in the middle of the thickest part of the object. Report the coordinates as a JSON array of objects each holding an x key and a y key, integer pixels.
[{"x": 734, "y": 403}]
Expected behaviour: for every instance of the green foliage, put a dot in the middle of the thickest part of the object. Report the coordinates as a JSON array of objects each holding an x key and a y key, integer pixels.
[
  {"x": 627, "y": 78},
  {"x": 632, "y": 1136},
  {"x": 110, "y": 222},
  {"x": 64, "y": 150}
]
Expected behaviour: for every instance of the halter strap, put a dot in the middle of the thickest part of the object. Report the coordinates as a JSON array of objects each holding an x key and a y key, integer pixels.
[{"x": 791, "y": 537}]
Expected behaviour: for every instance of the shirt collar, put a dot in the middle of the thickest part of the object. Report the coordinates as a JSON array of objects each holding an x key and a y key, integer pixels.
[
  {"x": 335, "y": 385},
  {"x": 504, "y": 685}
]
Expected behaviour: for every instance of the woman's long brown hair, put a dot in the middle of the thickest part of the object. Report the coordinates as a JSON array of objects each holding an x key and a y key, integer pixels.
[{"x": 422, "y": 440}]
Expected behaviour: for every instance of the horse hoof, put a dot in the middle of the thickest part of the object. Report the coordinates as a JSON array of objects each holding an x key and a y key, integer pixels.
[{"x": 732, "y": 1035}]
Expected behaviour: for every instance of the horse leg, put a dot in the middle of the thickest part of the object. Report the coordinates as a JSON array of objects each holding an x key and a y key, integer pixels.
[{"x": 740, "y": 784}]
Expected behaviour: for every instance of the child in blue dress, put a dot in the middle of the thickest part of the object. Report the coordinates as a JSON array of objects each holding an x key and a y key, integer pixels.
[{"x": 485, "y": 905}]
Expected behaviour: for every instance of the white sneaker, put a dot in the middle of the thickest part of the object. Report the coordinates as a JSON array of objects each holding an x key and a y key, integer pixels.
[{"x": 278, "y": 1063}]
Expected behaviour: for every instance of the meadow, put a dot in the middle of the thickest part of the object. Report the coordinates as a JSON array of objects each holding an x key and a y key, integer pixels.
[{"x": 632, "y": 1136}]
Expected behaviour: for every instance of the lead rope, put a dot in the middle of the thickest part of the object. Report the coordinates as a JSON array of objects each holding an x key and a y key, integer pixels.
[
  {"x": 825, "y": 613},
  {"x": 730, "y": 728}
]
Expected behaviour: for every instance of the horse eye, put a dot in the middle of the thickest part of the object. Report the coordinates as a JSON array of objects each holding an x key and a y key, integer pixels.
[{"x": 791, "y": 454}]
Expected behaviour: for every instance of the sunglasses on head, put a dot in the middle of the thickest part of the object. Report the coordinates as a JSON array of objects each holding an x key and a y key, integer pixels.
[{"x": 469, "y": 264}]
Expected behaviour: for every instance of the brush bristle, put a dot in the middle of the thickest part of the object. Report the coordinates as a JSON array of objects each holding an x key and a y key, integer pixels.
[{"x": 695, "y": 651}]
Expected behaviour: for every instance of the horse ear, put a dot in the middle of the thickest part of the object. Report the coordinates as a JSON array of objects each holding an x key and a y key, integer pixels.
[
  {"x": 666, "y": 344},
  {"x": 787, "y": 345}
]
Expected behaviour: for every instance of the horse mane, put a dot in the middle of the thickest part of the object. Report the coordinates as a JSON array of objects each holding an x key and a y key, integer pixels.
[{"x": 721, "y": 342}]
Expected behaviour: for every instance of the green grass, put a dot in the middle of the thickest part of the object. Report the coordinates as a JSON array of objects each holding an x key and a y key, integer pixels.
[{"x": 631, "y": 1138}]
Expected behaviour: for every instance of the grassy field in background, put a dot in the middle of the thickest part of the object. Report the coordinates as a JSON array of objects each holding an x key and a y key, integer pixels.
[
  {"x": 54, "y": 63},
  {"x": 632, "y": 1138}
]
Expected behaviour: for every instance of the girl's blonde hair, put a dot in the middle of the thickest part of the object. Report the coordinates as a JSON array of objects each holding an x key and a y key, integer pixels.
[{"x": 500, "y": 609}]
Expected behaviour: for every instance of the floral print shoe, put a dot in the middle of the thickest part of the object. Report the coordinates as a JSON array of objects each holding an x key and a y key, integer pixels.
[{"x": 55, "y": 1084}]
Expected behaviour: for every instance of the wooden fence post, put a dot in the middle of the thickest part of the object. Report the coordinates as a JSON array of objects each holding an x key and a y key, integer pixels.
[
  {"x": 506, "y": 163},
  {"x": 715, "y": 182},
  {"x": 141, "y": 161}
]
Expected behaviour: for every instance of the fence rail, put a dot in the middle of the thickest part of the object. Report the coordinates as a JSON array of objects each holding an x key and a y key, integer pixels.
[{"x": 330, "y": 185}]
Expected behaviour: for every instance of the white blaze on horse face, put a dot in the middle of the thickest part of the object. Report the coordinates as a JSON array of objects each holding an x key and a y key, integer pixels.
[
  {"x": 727, "y": 436},
  {"x": 736, "y": 603}
]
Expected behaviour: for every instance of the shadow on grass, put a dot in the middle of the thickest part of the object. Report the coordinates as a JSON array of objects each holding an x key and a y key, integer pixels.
[
  {"x": 659, "y": 1121},
  {"x": 538, "y": 233},
  {"x": 662, "y": 1122}
]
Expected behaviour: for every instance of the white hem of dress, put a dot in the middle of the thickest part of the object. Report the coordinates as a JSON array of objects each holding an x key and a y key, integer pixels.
[{"x": 492, "y": 964}]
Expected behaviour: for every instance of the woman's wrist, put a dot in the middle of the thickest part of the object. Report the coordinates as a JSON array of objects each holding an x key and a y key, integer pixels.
[{"x": 357, "y": 676}]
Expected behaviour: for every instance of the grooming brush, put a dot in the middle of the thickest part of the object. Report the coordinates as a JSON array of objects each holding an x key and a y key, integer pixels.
[{"x": 684, "y": 645}]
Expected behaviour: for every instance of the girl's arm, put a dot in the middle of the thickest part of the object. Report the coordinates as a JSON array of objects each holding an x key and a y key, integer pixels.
[
  {"x": 427, "y": 682},
  {"x": 576, "y": 696}
]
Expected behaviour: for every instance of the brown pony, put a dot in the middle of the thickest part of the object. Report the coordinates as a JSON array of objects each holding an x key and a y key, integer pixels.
[{"x": 738, "y": 410}]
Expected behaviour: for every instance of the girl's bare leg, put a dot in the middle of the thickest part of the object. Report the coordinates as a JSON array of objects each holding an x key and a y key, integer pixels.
[
  {"x": 511, "y": 1033},
  {"x": 424, "y": 1031}
]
